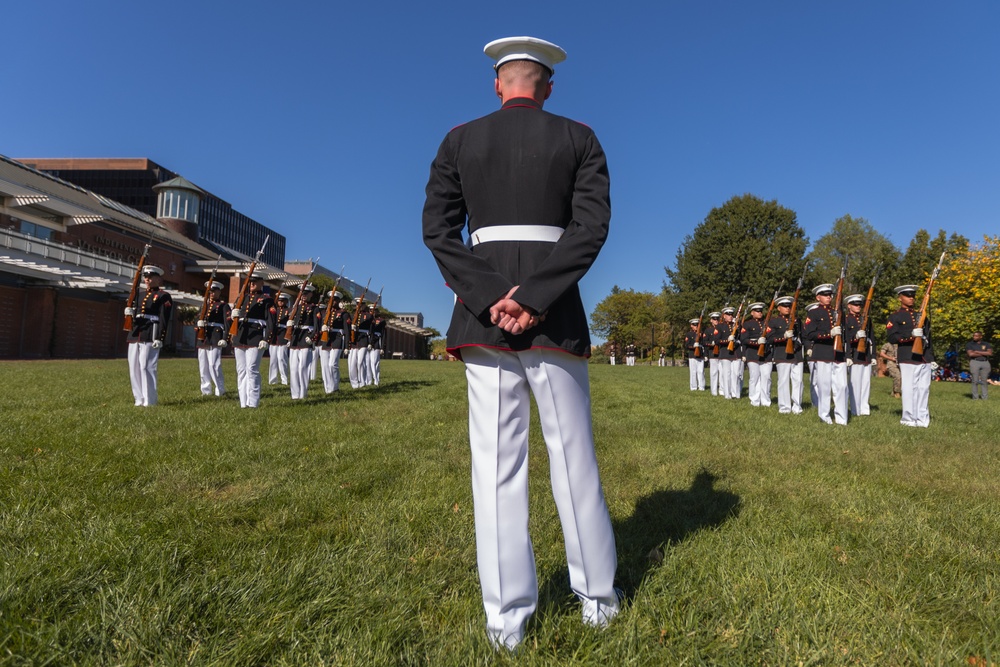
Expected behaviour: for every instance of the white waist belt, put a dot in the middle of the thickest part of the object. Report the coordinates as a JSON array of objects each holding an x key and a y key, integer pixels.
[
  {"x": 546, "y": 233},
  {"x": 261, "y": 323},
  {"x": 214, "y": 324},
  {"x": 151, "y": 318}
]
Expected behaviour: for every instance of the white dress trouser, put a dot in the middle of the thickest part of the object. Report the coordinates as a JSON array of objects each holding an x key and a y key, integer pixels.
[
  {"x": 357, "y": 367},
  {"x": 210, "y": 369},
  {"x": 713, "y": 376},
  {"x": 248, "y": 375},
  {"x": 736, "y": 379},
  {"x": 696, "y": 374},
  {"x": 789, "y": 388},
  {"x": 499, "y": 410},
  {"x": 916, "y": 390},
  {"x": 312, "y": 363},
  {"x": 759, "y": 385},
  {"x": 277, "y": 364},
  {"x": 860, "y": 388},
  {"x": 331, "y": 369},
  {"x": 374, "y": 366},
  {"x": 813, "y": 394},
  {"x": 299, "y": 361},
  {"x": 324, "y": 365},
  {"x": 142, "y": 362},
  {"x": 831, "y": 386},
  {"x": 725, "y": 378}
]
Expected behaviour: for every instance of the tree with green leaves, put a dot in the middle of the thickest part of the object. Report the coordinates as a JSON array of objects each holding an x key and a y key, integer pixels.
[
  {"x": 627, "y": 316},
  {"x": 745, "y": 245},
  {"x": 923, "y": 253},
  {"x": 966, "y": 295}
]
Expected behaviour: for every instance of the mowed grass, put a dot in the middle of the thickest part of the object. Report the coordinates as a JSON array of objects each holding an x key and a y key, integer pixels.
[{"x": 339, "y": 530}]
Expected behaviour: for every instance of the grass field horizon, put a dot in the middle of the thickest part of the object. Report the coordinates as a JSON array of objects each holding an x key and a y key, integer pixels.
[{"x": 338, "y": 529}]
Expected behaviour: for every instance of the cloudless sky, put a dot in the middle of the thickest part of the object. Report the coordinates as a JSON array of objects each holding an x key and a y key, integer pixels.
[{"x": 320, "y": 119}]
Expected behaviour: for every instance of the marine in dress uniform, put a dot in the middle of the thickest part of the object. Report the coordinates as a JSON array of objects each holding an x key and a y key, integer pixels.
[
  {"x": 807, "y": 350},
  {"x": 376, "y": 346},
  {"x": 277, "y": 351},
  {"x": 532, "y": 189},
  {"x": 253, "y": 333},
  {"x": 337, "y": 332},
  {"x": 149, "y": 329},
  {"x": 216, "y": 328},
  {"x": 305, "y": 326},
  {"x": 712, "y": 351},
  {"x": 758, "y": 367},
  {"x": 357, "y": 358},
  {"x": 914, "y": 369},
  {"x": 780, "y": 329},
  {"x": 630, "y": 355},
  {"x": 730, "y": 385},
  {"x": 829, "y": 366},
  {"x": 859, "y": 363},
  {"x": 979, "y": 352},
  {"x": 663, "y": 361},
  {"x": 694, "y": 344}
]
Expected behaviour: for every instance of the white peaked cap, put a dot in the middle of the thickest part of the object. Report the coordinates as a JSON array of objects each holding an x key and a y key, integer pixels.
[{"x": 525, "y": 48}]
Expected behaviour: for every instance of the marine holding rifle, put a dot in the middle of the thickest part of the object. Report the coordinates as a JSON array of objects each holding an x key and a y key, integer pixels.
[
  {"x": 758, "y": 367},
  {"x": 256, "y": 325},
  {"x": 277, "y": 366},
  {"x": 858, "y": 336},
  {"x": 829, "y": 368},
  {"x": 694, "y": 344},
  {"x": 215, "y": 326},
  {"x": 150, "y": 318},
  {"x": 785, "y": 336},
  {"x": 914, "y": 367},
  {"x": 305, "y": 324}
]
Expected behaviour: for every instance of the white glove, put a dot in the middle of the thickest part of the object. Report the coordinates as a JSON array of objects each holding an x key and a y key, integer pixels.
[
  {"x": 809, "y": 353},
  {"x": 237, "y": 313},
  {"x": 200, "y": 324},
  {"x": 697, "y": 345},
  {"x": 307, "y": 340},
  {"x": 789, "y": 334},
  {"x": 290, "y": 323},
  {"x": 918, "y": 332},
  {"x": 223, "y": 343},
  {"x": 130, "y": 311},
  {"x": 761, "y": 341},
  {"x": 262, "y": 345},
  {"x": 731, "y": 339},
  {"x": 836, "y": 331},
  {"x": 861, "y": 334},
  {"x": 157, "y": 344},
  {"x": 354, "y": 327},
  {"x": 850, "y": 362},
  {"x": 370, "y": 348},
  {"x": 325, "y": 328}
]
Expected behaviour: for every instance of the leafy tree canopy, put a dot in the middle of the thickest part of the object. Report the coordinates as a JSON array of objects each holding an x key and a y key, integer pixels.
[
  {"x": 966, "y": 295},
  {"x": 627, "y": 316}
]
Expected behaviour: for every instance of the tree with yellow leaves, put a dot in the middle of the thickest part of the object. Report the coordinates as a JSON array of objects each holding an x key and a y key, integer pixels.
[{"x": 966, "y": 296}]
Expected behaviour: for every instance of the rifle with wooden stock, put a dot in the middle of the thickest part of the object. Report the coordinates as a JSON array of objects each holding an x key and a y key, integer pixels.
[
  {"x": 295, "y": 314},
  {"x": 357, "y": 313},
  {"x": 697, "y": 333},
  {"x": 790, "y": 343},
  {"x": 715, "y": 348},
  {"x": 863, "y": 342},
  {"x": 770, "y": 309},
  {"x": 838, "y": 340},
  {"x": 239, "y": 305},
  {"x": 201, "y": 332},
  {"x": 736, "y": 322},
  {"x": 918, "y": 343},
  {"x": 130, "y": 304},
  {"x": 325, "y": 336}
]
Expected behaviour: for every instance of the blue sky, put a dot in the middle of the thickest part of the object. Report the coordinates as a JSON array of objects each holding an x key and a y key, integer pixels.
[{"x": 320, "y": 119}]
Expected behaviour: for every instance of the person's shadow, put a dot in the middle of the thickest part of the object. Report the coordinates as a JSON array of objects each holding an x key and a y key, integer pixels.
[{"x": 660, "y": 519}]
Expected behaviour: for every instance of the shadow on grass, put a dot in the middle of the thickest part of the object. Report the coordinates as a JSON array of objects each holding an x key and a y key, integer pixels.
[
  {"x": 278, "y": 397},
  {"x": 662, "y": 518}
]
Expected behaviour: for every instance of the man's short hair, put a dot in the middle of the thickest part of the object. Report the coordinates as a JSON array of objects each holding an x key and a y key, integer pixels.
[{"x": 524, "y": 70}]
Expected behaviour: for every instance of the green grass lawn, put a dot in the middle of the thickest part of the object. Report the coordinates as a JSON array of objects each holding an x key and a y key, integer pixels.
[{"x": 339, "y": 530}]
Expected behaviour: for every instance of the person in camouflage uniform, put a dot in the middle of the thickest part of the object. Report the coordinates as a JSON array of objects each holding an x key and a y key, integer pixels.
[{"x": 887, "y": 353}]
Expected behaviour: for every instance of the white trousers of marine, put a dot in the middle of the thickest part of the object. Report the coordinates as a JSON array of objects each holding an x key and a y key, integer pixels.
[
  {"x": 860, "y": 389},
  {"x": 612, "y": 360},
  {"x": 831, "y": 386},
  {"x": 248, "y": 375},
  {"x": 916, "y": 390},
  {"x": 759, "y": 385},
  {"x": 374, "y": 366},
  {"x": 299, "y": 362},
  {"x": 736, "y": 379},
  {"x": 313, "y": 358},
  {"x": 143, "y": 359},
  {"x": 331, "y": 369},
  {"x": 813, "y": 394},
  {"x": 789, "y": 388},
  {"x": 499, "y": 412},
  {"x": 277, "y": 364},
  {"x": 357, "y": 367},
  {"x": 210, "y": 369},
  {"x": 696, "y": 374},
  {"x": 713, "y": 376},
  {"x": 725, "y": 378}
]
